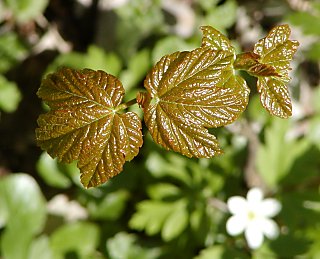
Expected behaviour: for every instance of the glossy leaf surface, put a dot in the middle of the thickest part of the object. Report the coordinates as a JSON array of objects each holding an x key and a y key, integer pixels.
[
  {"x": 189, "y": 92},
  {"x": 276, "y": 50},
  {"x": 84, "y": 123}
]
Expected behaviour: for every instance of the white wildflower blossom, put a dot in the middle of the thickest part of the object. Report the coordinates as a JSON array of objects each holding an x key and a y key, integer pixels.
[{"x": 252, "y": 216}]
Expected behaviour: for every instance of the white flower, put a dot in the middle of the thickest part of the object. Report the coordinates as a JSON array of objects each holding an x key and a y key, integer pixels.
[{"x": 252, "y": 216}]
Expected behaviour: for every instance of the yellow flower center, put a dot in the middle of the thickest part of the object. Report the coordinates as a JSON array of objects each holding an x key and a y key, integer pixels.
[{"x": 251, "y": 215}]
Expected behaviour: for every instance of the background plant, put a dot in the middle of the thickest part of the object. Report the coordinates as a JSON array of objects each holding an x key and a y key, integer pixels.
[{"x": 279, "y": 155}]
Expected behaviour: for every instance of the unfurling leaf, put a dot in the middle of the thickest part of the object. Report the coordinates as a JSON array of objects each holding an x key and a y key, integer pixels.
[
  {"x": 85, "y": 123},
  {"x": 276, "y": 50},
  {"x": 188, "y": 92}
]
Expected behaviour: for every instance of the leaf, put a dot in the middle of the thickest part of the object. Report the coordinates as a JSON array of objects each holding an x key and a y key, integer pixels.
[
  {"x": 50, "y": 172},
  {"x": 277, "y": 156},
  {"x": 151, "y": 216},
  {"x": 22, "y": 213},
  {"x": 40, "y": 248},
  {"x": 12, "y": 50},
  {"x": 215, "y": 40},
  {"x": 276, "y": 50},
  {"x": 189, "y": 92},
  {"x": 110, "y": 207},
  {"x": 125, "y": 245},
  {"x": 10, "y": 95},
  {"x": 84, "y": 123},
  {"x": 221, "y": 15},
  {"x": 80, "y": 237},
  {"x": 25, "y": 10},
  {"x": 95, "y": 58},
  {"x": 176, "y": 222}
]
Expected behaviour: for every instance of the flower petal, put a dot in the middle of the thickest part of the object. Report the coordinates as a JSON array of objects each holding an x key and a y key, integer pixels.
[
  {"x": 254, "y": 196},
  {"x": 269, "y": 207},
  {"x": 270, "y": 228},
  {"x": 236, "y": 225},
  {"x": 254, "y": 235},
  {"x": 237, "y": 205}
]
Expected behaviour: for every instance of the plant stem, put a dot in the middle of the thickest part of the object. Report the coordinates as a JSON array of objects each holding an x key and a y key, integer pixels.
[
  {"x": 131, "y": 102},
  {"x": 125, "y": 105}
]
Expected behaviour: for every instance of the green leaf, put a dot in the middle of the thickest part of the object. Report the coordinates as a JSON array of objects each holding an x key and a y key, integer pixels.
[
  {"x": 219, "y": 251},
  {"x": 162, "y": 191},
  {"x": 48, "y": 169},
  {"x": 167, "y": 218},
  {"x": 176, "y": 222},
  {"x": 124, "y": 245},
  {"x": 23, "y": 213},
  {"x": 138, "y": 66},
  {"x": 79, "y": 237},
  {"x": 221, "y": 16},
  {"x": 10, "y": 95},
  {"x": 276, "y": 157},
  {"x": 11, "y": 51},
  {"x": 25, "y": 10},
  {"x": 95, "y": 58},
  {"x": 308, "y": 21},
  {"x": 40, "y": 248},
  {"x": 174, "y": 166},
  {"x": 85, "y": 123},
  {"x": 150, "y": 216},
  {"x": 111, "y": 207},
  {"x": 189, "y": 92},
  {"x": 170, "y": 44},
  {"x": 276, "y": 50}
]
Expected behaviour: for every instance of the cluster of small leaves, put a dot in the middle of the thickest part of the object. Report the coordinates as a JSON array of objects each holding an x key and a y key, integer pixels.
[{"x": 187, "y": 93}]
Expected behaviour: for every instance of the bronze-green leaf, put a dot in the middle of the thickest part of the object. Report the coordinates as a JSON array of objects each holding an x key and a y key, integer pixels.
[
  {"x": 84, "y": 123},
  {"x": 276, "y": 50},
  {"x": 189, "y": 92}
]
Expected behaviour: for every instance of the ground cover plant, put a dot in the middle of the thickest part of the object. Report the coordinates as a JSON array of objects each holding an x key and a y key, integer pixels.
[{"x": 180, "y": 129}]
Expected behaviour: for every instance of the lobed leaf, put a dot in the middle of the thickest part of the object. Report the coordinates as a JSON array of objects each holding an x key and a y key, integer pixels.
[
  {"x": 188, "y": 92},
  {"x": 84, "y": 123},
  {"x": 276, "y": 50}
]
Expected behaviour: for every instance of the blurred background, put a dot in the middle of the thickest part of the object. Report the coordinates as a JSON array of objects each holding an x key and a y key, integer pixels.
[{"x": 163, "y": 205}]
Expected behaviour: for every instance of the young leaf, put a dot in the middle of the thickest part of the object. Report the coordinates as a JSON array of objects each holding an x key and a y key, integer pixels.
[
  {"x": 84, "y": 123},
  {"x": 188, "y": 92},
  {"x": 276, "y": 50}
]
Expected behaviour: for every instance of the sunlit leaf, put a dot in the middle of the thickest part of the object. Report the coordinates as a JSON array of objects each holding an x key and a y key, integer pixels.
[
  {"x": 168, "y": 218},
  {"x": 10, "y": 95},
  {"x": 80, "y": 237},
  {"x": 189, "y": 92},
  {"x": 24, "y": 10},
  {"x": 124, "y": 245},
  {"x": 216, "y": 40},
  {"x": 85, "y": 123},
  {"x": 276, "y": 50},
  {"x": 22, "y": 214}
]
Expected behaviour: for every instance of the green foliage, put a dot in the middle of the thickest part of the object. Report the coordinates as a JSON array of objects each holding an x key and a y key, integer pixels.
[
  {"x": 222, "y": 16},
  {"x": 25, "y": 10},
  {"x": 49, "y": 170},
  {"x": 123, "y": 245},
  {"x": 309, "y": 22},
  {"x": 11, "y": 51},
  {"x": 80, "y": 237},
  {"x": 10, "y": 95},
  {"x": 277, "y": 156},
  {"x": 163, "y": 205},
  {"x": 27, "y": 204},
  {"x": 95, "y": 58}
]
